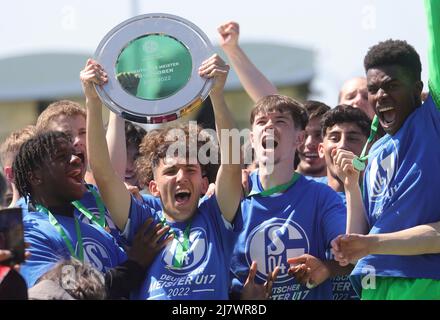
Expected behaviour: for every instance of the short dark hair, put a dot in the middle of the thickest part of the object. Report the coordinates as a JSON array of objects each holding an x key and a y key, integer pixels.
[
  {"x": 280, "y": 103},
  {"x": 134, "y": 134},
  {"x": 315, "y": 109},
  {"x": 32, "y": 155},
  {"x": 345, "y": 114},
  {"x": 394, "y": 52}
]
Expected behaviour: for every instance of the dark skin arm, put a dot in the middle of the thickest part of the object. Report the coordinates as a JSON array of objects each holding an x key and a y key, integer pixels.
[{"x": 128, "y": 276}]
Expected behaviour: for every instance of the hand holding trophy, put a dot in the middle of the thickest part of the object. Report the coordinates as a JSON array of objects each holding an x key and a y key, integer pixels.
[{"x": 152, "y": 62}]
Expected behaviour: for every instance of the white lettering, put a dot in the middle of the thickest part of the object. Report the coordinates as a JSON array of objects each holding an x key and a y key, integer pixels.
[{"x": 369, "y": 280}]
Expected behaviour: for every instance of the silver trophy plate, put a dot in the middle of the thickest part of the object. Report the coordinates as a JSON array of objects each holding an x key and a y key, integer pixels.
[{"x": 152, "y": 63}]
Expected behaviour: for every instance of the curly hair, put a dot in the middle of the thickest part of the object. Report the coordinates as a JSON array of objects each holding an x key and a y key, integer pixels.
[
  {"x": 156, "y": 145},
  {"x": 32, "y": 155},
  {"x": 280, "y": 103},
  {"x": 346, "y": 114},
  {"x": 58, "y": 108},
  {"x": 394, "y": 52}
]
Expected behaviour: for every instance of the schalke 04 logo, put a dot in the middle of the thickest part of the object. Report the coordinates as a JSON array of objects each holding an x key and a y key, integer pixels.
[{"x": 272, "y": 243}]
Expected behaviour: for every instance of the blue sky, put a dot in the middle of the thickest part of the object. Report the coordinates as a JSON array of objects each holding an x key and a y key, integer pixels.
[{"x": 340, "y": 31}]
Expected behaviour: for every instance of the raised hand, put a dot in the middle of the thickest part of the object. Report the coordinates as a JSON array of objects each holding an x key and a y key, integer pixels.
[
  {"x": 229, "y": 33},
  {"x": 93, "y": 73},
  {"x": 215, "y": 67},
  {"x": 343, "y": 161}
]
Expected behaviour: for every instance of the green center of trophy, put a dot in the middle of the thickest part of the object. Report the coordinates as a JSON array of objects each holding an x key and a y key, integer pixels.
[{"x": 154, "y": 67}]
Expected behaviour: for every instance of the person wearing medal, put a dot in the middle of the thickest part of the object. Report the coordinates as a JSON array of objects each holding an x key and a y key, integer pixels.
[
  {"x": 289, "y": 221},
  {"x": 348, "y": 128},
  {"x": 256, "y": 85},
  {"x": 69, "y": 117},
  {"x": 195, "y": 265},
  {"x": 391, "y": 227},
  {"x": 48, "y": 173}
]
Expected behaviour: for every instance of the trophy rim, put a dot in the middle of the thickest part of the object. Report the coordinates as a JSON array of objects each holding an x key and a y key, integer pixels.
[{"x": 171, "y": 107}]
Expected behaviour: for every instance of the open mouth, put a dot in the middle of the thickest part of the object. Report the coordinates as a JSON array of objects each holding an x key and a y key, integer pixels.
[
  {"x": 182, "y": 196},
  {"x": 269, "y": 142},
  {"x": 76, "y": 175},
  {"x": 387, "y": 115},
  {"x": 81, "y": 156},
  {"x": 311, "y": 155}
]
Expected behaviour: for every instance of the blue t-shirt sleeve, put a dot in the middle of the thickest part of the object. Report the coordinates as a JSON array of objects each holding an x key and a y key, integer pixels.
[
  {"x": 334, "y": 215},
  {"x": 152, "y": 202},
  {"x": 44, "y": 255},
  {"x": 228, "y": 231}
]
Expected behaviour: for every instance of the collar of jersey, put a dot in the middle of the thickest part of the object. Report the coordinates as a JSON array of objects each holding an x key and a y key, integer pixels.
[{"x": 257, "y": 188}]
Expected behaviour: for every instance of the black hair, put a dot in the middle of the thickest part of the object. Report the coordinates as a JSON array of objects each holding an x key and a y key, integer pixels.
[
  {"x": 32, "y": 155},
  {"x": 346, "y": 114},
  {"x": 315, "y": 109},
  {"x": 134, "y": 134},
  {"x": 394, "y": 52}
]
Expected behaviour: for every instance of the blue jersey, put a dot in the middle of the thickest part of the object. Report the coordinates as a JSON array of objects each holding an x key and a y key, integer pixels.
[
  {"x": 89, "y": 202},
  {"x": 400, "y": 192},
  {"x": 152, "y": 201},
  {"x": 47, "y": 247},
  {"x": 23, "y": 204},
  {"x": 318, "y": 179},
  {"x": 343, "y": 197},
  {"x": 341, "y": 285},
  {"x": 204, "y": 273},
  {"x": 302, "y": 220}
]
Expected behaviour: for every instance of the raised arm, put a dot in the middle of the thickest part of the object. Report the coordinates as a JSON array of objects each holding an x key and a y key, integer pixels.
[
  {"x": 254, "y": 82},
  {"x": 228, "y": 181},
  {"x": 433, "y": 18},
  {"x": 112, "y": 189},
  {"x": 356, "y": 215},
  {"x": 115, "y": 135}
]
